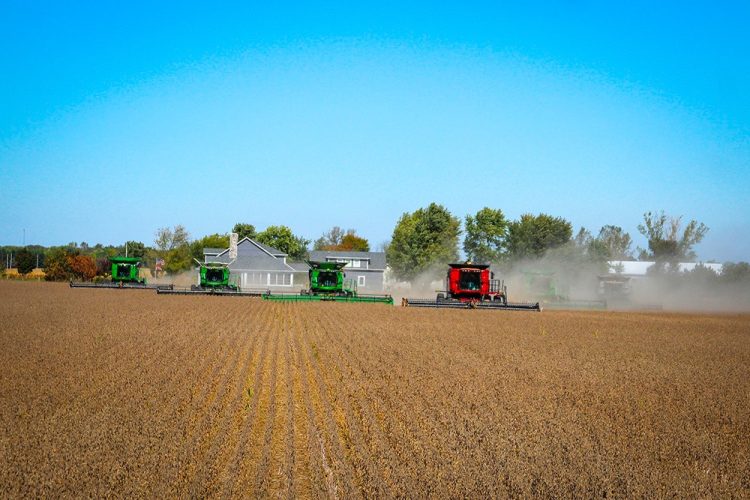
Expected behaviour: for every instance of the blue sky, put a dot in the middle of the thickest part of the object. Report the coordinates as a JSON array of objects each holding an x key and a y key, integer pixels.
[{"x": 117, "y": 119}]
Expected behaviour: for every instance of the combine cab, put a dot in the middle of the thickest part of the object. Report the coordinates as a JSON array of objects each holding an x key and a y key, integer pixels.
[
  {"x": 215, "y": 279},
  {"x": 472, "y": 286},
  {"x": 328, "y": 283},
  {"x": 124, "y": 275}
]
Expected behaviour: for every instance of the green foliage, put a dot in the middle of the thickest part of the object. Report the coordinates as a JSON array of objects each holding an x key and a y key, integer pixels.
[
  {"x": 666, "y": 244},
  {"x": 25, "y": 261},
  {"x": 736, "y": 273},
  {"x": 615, "y": 243},
  {"x": 174, "y": 247},
  {"x": 282, "y": 238},
  {"x": 57, "y": 263},
  {"x": 169, "y": 239},
  {"x": 427, "y": 237},
  {"x": 134, "y": 249},
  {"x": 486, "y": 233},
  {"x": 210, "y": 241},
  {"x": 178, "y": 259},
  {"x": 244, "y": 231},
  {"x": 533, "y": 235},
  {"x": 337, "y": 239}
]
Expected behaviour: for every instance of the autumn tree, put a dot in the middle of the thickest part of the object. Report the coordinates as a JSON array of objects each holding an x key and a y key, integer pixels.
[
  {"x": 82, "y": 266},
  {"x": 338, "y": 239}
]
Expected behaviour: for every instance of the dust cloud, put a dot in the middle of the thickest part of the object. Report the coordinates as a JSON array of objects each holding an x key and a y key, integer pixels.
[{"x": 558, "y": 282}]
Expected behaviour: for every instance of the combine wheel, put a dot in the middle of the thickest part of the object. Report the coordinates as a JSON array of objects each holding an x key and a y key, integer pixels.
[{"x": 440, "y": 297}]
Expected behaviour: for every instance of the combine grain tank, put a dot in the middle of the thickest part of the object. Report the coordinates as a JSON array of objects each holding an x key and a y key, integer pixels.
[
  {"x": 124, "y": 275},
  {"x": 472, "y": 286},
  {"x": 328, "y": 283},
  {"x": 214, "y": 279}
]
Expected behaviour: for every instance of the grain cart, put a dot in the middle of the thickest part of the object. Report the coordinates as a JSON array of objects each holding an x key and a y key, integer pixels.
[
  {"x": 124, "y": 275},
  {"x": 214, "y": 278},
  {"x": 472, "y": 286},
  {"x": 328, "y": 283}
]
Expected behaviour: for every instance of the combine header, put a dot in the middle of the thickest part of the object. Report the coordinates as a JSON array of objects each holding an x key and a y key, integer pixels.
[
  {"x": 214, "y": 280},
  {"x": 471, "y": 286},
  {"x": 124, "y": 275},
  {"x": 328, "y": 283}
]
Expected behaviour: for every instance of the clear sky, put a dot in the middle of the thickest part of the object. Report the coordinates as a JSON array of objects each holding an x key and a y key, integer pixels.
[{"x": 120, "y": 118}]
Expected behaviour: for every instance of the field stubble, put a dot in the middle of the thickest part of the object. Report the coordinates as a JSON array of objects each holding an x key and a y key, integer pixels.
[{"x": 125, "y": 392}]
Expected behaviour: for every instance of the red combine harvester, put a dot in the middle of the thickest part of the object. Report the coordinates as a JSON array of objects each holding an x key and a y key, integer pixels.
[{"x": 472, "y": 286}]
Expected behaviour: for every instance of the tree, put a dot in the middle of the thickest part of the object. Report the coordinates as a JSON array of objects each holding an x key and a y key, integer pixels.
[
  {"x": 735, "y": 273},
  {"x": 533, "y": 235},
  {"x": 486, "y": 233},
  {"x": 244, "y": 231},
  {"x": 169, "y": 239},
  {"x": 134, "y": 249},
  {"x": 25, "y": 261},
  {"x": 615, "y": 242},
  {"x": 57, "y": 264},
  {"x": 82, "y": 266},
  {"x": 337, "y": 239},
  {"x": 173, "y": 246},
  {"x": 666, "y": 243},
  {"x": 354, "y": 243},
  {"x": 210, "y": 241},
  {"x": 422, "y": 239},
  {"x": 178, "y": 259},
  {"x": 282, "y": 238}
]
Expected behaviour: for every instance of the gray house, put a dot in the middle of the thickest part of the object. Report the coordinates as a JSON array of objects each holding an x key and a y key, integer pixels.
[
  {"x": 258, "y": 265},
  {"x": 366, "y": 269}
]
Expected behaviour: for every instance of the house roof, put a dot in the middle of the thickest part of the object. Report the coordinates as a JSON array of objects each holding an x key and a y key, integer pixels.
[
  {"x": 377, "y": 259},
  {"x": 299, "y": 266},
  {"x": 257, "y": 263},
  {"x": 245, "y": 241}
]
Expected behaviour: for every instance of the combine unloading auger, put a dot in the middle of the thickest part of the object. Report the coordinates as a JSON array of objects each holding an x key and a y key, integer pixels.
[
  {"x": 471, "y": 286},
  {"x": 124, "y": 275},
  {"x": 327, "y": 284}
]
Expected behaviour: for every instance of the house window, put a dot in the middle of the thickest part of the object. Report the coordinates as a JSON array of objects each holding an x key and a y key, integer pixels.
[
  {"x": 280, "y": 279},
  {"x": 360, "y": 281}
]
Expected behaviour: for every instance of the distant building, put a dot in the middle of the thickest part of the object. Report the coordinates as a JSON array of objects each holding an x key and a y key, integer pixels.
[
  {"x": 258, "y": 265},
  {"x": 639, "y": 269},
  {"x": 366, "y": 269}
]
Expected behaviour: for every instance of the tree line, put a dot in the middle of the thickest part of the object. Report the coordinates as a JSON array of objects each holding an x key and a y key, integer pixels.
[
  {"x": 425, "y": 239},
  {"x": 429, "y": 238}
]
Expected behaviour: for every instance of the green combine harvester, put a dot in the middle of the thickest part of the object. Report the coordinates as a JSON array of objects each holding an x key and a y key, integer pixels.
[
  {"x": 214, "y": 279},
  {"x": 124, "y": 275},
  {"x": 328, "y": 283}
]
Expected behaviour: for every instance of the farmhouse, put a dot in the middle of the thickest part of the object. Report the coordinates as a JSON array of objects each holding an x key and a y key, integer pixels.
[
  {"x": 366, "y": 269},
  {"x": 258, "y": 265}
]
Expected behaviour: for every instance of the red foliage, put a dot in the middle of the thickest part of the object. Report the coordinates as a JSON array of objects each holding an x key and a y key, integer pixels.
[{"x": 82, "y": 266}]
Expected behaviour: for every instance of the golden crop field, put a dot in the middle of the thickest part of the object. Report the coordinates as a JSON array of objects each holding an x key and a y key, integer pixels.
[{"x": 127, "y": 393}]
